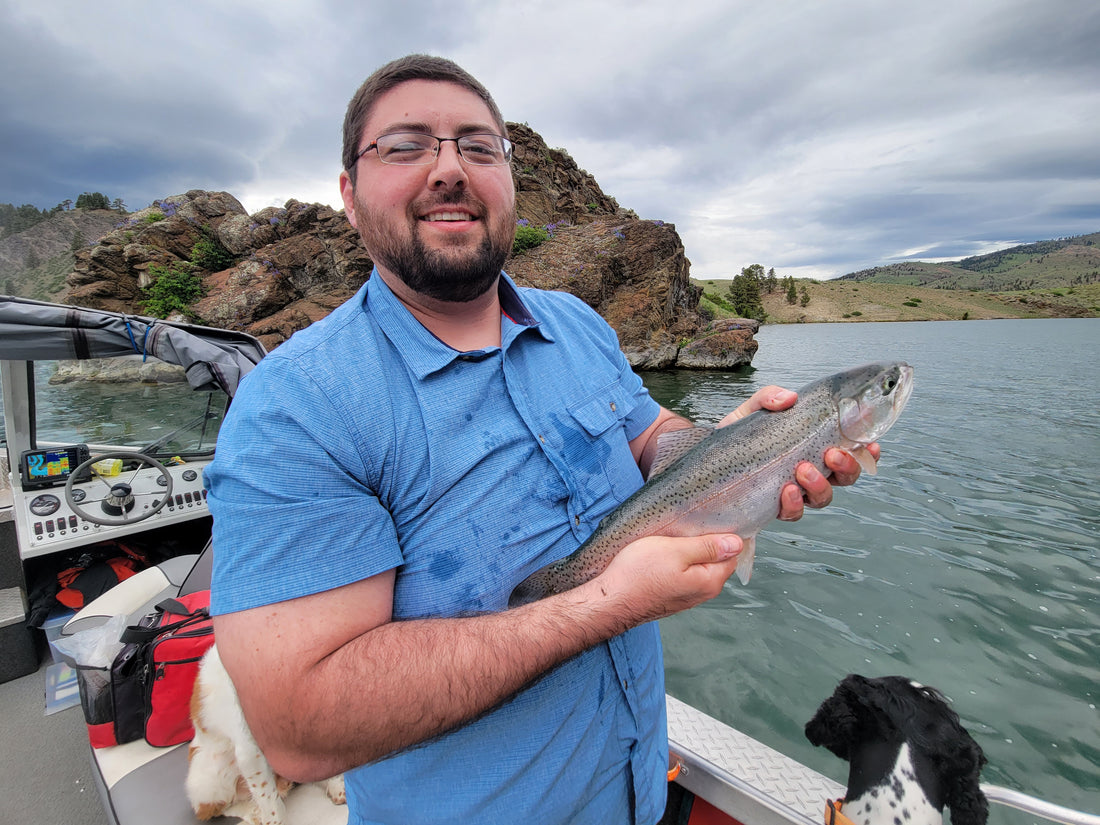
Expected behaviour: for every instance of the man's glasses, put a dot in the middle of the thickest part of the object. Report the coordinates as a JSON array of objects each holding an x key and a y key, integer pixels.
[{"x": 415, "y": 149}]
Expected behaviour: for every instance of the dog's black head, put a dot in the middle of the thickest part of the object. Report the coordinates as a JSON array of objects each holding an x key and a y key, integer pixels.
[{"x": 882, "y": 713}]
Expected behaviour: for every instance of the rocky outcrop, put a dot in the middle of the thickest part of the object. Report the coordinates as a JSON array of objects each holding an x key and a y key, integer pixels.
[
  {"x": 721, "y": 345},
  {"x": 287, "y": 267},
  {"x": 633, "y": 272},
  {"x": 550, "y": 187},
  {"x": 126, "y": 369},
  {"x": 295, "y": 264}
]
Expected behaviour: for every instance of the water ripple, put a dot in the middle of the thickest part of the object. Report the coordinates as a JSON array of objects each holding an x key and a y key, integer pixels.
[{"x": 971, "y": 561}]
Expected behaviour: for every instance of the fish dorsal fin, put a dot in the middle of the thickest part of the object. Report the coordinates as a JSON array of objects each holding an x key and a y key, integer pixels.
[{"x": 672, "y": 445}]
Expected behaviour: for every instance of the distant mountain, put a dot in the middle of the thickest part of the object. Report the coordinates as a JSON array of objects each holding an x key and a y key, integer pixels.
[
  {"x": 35, "y": 261},
  {"x": 1064, "y": 262}
]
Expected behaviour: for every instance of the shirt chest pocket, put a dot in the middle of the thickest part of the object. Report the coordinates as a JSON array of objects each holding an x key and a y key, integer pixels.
[{"x": 600, "y": 418}]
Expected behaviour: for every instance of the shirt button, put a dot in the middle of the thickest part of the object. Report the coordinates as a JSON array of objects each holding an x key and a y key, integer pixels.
[
  {"x": 543, "y": 440},
  {"x": 613, "y": 407},
  {"x": 577, "y": 521}
]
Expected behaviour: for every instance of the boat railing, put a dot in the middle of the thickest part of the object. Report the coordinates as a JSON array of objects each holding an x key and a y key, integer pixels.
[{"x": 1037, "y": 807}]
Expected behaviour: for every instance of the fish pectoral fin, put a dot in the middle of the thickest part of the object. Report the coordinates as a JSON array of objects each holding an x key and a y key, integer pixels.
[
  {"x": 863, "y": 456},
  {"x": 672, "y": 445},
  {"x": 746, "y": 558}
]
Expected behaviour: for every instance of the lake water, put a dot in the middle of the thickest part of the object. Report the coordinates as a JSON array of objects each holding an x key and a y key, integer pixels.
[{"x": 970, "y": 562}]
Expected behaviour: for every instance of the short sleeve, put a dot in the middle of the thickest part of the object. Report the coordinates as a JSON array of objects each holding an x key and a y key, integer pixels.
[{"x": 290, "y": 494}]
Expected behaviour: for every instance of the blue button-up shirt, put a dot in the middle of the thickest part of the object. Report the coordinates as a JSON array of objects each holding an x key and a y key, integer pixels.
[{"x": 365, "y": 444}]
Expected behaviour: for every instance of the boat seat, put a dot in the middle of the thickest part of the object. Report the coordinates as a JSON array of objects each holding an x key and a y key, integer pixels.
[{"x": 138, "y": 783}]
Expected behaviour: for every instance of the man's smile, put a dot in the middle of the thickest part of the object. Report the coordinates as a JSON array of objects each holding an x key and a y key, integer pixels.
[{"x": 448, "y": 216}]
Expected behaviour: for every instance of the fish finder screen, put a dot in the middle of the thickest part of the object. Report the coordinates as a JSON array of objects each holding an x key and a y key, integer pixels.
[
  {"x": 51, "y": 466},
  {"x": 48, "y": 465}
]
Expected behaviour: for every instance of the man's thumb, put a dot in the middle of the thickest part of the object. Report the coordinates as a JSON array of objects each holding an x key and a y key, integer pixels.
[{"x": 722, "y": 547}]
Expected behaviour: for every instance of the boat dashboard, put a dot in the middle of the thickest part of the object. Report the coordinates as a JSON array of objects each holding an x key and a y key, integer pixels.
[
  {"x": 93, "y": 454},
  {"x": 56, "y": 508}
]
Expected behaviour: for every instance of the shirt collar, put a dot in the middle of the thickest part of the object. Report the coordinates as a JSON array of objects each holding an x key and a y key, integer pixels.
[{"x": 422, "y": 351}]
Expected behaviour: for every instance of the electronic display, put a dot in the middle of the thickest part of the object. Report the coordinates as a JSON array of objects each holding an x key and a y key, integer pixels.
[{"x": 52, "y": 466}]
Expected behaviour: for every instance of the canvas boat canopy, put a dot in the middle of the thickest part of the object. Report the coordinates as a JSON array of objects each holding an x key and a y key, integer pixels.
[{"x": 212, "y": 358}]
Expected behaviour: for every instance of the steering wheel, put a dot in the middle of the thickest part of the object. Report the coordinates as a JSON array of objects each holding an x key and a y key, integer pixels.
[{"x": 120, "y": 499}]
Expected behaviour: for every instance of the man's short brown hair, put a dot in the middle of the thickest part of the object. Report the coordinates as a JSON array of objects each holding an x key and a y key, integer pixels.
[{"x": 412, "y": 67}]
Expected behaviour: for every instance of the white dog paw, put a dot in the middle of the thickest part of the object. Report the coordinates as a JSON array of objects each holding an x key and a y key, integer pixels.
[{"x": 334, "y": 787}]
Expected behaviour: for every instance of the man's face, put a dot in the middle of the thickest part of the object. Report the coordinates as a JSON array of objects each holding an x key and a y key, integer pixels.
[{"x": 443, "y": 228}]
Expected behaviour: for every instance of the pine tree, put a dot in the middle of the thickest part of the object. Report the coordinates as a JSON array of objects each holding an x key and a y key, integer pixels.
[
  {"x": 771, "y": 283},
  {"x": 93, "y": 200},
  {"x": 745, "y": 293},
  {"x": 792, "y": 291}
]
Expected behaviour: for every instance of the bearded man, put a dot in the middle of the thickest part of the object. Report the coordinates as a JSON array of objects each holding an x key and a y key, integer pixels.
[{"x": 385, "y": 478}]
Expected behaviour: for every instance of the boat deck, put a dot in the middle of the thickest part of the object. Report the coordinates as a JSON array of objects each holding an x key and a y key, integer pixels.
[{"x": 741, "y": 776}]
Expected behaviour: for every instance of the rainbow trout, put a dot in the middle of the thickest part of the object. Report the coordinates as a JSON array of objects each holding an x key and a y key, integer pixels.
[{"x": 727, "y": 480}]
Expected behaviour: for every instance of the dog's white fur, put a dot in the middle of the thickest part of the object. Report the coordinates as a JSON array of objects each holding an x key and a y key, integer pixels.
[
  {"x": 225, "y": 765},
  {"x": 899, "y": 796}
]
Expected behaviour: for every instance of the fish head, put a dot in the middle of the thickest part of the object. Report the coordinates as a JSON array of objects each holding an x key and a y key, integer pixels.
[{"x": 871, "y": 399}]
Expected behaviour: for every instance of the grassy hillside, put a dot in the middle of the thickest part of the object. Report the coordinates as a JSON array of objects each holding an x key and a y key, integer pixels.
[
  {"x": 844, "y": 300},
  {"x": 1049, "y": 279},
  {"x": 1067, "y": 262}
]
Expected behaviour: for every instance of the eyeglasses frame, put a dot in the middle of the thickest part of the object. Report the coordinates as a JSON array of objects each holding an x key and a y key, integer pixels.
[{"x": 509, "y": 147}]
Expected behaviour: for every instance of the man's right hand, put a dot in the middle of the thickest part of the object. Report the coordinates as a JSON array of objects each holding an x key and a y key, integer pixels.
[{"x": 657, "y": 576}]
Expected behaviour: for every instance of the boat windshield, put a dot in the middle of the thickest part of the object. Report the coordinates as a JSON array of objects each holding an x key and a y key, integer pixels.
[{"x": 125, "y": 404}]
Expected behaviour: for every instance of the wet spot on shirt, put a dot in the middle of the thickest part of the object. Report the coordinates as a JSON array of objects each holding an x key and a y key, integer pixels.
[
  {"x": 591, "y": 460},
  {"x": 444, "y": 566}
]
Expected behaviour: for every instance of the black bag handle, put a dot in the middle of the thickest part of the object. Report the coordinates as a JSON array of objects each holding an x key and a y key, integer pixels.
[{"x": 146, "y": 633}]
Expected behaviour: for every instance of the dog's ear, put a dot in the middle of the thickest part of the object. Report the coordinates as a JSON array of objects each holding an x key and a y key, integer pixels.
[
  {"x": 961, "y": 761},
  {"x": 836, "y": 724}
]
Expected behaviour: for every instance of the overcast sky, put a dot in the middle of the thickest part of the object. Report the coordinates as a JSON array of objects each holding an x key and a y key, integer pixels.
[{"x": 816, "y": 137}]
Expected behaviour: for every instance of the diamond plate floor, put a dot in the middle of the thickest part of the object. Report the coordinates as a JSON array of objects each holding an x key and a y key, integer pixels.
[{"x": 742, "y": 776}]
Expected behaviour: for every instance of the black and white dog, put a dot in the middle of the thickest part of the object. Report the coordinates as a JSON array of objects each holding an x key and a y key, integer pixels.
[{"x": 908, "y": 755}]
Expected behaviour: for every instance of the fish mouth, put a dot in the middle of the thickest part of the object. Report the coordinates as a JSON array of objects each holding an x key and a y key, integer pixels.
[{"x": 901, "y": 397}]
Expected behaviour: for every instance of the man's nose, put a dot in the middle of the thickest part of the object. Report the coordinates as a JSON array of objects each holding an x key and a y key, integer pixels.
[{"x": 448, "y": 169}]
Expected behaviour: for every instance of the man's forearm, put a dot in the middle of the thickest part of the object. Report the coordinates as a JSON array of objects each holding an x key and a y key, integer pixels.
[{"x": 406, "y": 682}]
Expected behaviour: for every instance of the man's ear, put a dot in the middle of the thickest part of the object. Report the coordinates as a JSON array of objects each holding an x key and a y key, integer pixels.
[{"x": 347, "y": 194}]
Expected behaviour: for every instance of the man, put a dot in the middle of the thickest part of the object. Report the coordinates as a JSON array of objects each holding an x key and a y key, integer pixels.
[{"x": 389, "y": 475}]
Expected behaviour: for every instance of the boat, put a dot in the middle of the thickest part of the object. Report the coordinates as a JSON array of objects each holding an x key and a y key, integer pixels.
[{"x": 74, "y": 476}]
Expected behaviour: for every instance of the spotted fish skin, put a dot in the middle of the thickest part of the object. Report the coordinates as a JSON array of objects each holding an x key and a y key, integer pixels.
[{"x": 727, "y": 480}]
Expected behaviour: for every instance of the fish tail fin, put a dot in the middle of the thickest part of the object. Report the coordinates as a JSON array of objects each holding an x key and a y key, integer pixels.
[{"x": 745, "y": 559}]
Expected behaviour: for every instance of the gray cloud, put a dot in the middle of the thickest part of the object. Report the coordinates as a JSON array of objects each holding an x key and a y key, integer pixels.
[{"x": 817, "y": 138}]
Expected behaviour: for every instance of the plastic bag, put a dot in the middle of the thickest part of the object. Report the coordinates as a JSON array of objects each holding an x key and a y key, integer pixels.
[
  {"x": 92, "y": 652},
  {"x": 94, "y": 647}
]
